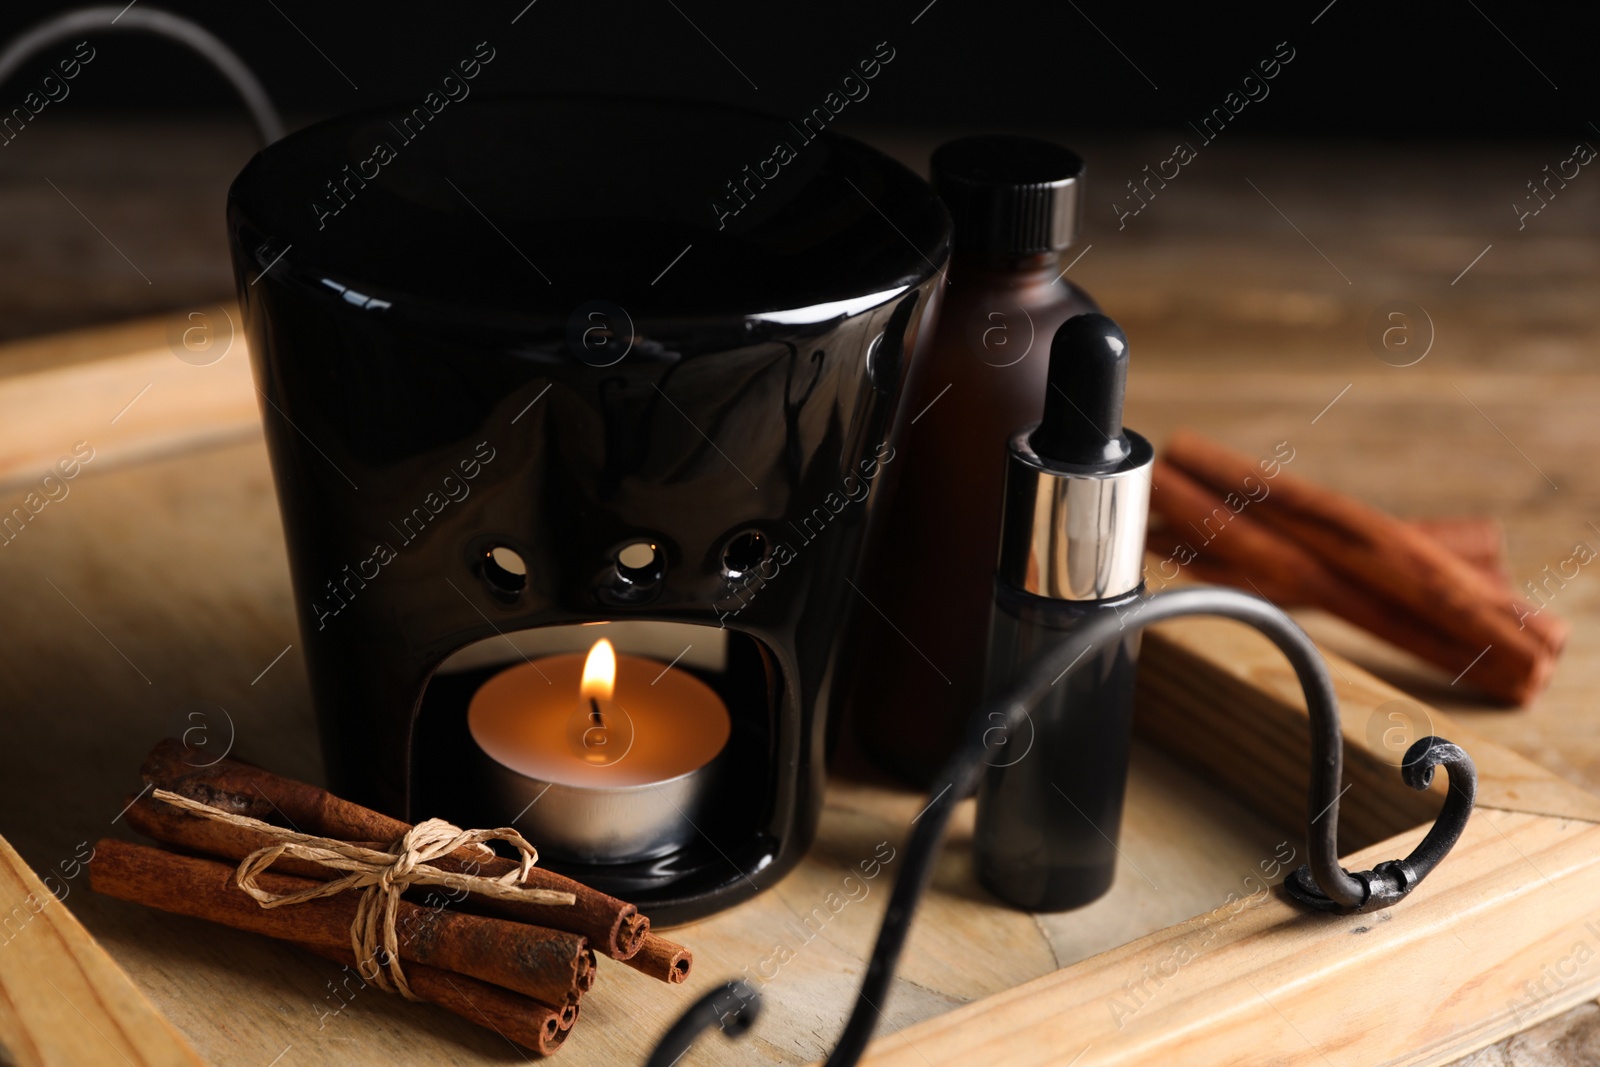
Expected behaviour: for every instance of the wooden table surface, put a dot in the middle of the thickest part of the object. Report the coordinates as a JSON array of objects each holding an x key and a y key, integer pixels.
[{"x": 154, "y": 597}]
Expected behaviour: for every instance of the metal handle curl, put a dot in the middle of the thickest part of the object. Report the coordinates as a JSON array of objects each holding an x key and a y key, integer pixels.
[
  {"x": 1389, "y": 881},
  {"x": 1323, "y": 883}
]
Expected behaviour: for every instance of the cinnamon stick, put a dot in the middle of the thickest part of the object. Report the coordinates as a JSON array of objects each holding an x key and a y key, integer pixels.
[
  {"x": 1280, "y": 569},
  {"x": 1166, "y": 542},
  {"x": 174, "y": 826},
  {"x": 1477, "y": 539},
  {"x": 1464, "y": 537},
  {"x": 663, "y": 960},
  {"x": 1394, "y": 547},
  {"x": 612, "y": 926},
  {"x": 537, "y": 1027},
  {"x": 550, "y": 966},
  {"x": 1385, "y": 557}
]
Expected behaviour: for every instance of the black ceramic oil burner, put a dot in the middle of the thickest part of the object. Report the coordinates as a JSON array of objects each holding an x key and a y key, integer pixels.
[{"x": 527, "y": 365}]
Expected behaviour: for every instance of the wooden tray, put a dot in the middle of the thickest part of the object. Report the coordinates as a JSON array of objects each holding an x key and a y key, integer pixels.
[{"x": 153, "y": 598}]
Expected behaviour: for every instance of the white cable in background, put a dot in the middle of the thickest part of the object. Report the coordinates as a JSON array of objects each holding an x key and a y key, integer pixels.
[{"x": 163, "y": 24}]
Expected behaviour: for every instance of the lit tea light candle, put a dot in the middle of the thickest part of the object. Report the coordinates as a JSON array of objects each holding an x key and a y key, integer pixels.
[{"x": 609, "y": 758}]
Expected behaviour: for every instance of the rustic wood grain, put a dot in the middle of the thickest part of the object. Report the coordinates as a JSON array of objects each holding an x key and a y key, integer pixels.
[
  {"x": 63, "y": 1000},
  {"x": 139, "y": 400},
  {"x": 1417, "y": 984}
]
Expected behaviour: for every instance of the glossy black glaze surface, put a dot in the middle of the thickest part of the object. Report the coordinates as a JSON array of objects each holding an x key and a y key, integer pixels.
[{"x": 491, "y": 342}]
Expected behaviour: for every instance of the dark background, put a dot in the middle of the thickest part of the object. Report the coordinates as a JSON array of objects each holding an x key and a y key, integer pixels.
[
  {"x": 1391, "y": 70},
  {"x": 1392, "y": 121}
]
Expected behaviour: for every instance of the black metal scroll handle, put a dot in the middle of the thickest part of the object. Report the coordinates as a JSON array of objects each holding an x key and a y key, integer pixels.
[
  {"x": 1389, "y": 881},
  {"x": 1323, "y": 883}
]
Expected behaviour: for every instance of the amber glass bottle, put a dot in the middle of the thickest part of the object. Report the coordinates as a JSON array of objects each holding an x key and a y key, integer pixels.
[{"x": 1016, "y": 203}]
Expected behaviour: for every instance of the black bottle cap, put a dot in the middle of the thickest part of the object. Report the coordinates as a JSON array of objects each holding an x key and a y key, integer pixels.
[
  {"x": 1088, "y": 379},
  {"x": 1010, "y": 194}
]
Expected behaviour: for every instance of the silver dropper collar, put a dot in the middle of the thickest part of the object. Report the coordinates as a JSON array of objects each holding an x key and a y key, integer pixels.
[{"x": 1074, "y": 535}]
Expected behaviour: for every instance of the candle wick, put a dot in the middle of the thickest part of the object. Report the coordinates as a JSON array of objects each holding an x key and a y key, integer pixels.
[{"x": 594, "y": 712}]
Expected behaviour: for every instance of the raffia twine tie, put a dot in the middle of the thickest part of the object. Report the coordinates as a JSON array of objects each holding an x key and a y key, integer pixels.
[{"x": 381, "y": 876}]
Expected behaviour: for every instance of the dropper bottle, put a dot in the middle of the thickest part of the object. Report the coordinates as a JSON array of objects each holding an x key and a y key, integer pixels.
[{"x": 1077, "y": 493}]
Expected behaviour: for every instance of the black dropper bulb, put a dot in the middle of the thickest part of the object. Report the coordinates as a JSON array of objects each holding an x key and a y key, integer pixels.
[{"x": 1082, "y": 425}]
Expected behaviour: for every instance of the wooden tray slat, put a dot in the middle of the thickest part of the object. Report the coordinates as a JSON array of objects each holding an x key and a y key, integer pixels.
[
  {"x": 1426, "y": 982},
  {"x": 63, "y": 1001}
]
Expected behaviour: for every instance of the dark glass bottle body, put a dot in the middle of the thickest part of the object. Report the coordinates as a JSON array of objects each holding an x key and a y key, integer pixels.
[
  {"x": 1050, "y": 804},
  {"x": 982, "y": 376}
]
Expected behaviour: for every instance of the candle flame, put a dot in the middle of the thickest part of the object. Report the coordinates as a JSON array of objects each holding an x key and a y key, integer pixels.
[{"x": 599, "y": 672}]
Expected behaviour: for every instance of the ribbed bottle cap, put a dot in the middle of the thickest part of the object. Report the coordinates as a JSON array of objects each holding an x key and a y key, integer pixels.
[{"x": 1010, "y": 194}]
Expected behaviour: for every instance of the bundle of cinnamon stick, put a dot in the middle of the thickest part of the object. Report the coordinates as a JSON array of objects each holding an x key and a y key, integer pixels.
[
  {"x": 1437, "y": 590},
  {"x": 519, "y": 967}
]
